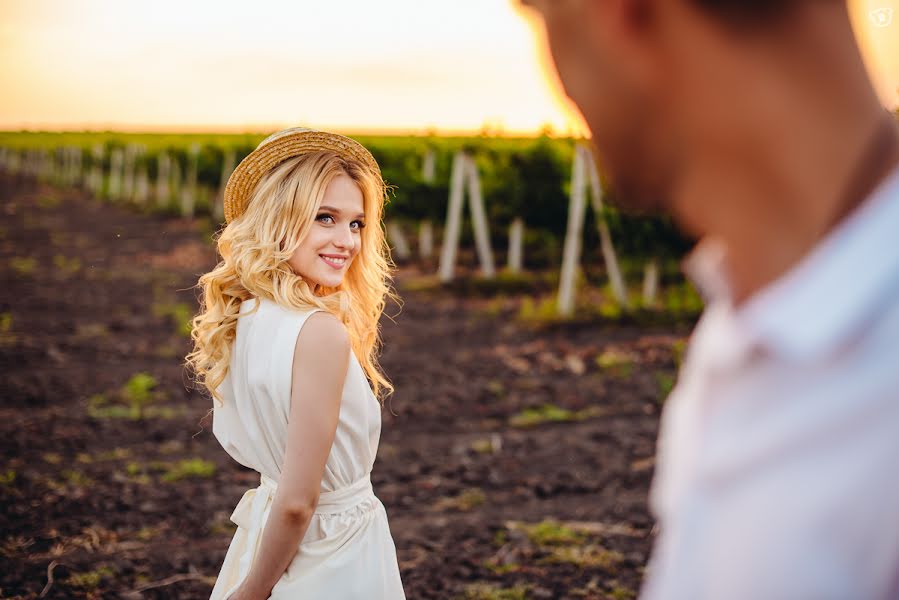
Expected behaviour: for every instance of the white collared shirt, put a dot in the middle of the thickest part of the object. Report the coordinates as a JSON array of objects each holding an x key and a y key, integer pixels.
[{"x": 778, "y": 460}]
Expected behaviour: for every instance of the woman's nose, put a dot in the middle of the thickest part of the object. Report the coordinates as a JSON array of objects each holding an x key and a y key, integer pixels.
[{"x": 344, "y": 238}]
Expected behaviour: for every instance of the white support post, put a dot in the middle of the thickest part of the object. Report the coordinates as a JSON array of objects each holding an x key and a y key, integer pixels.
[
  {"x": 516, "y": 245},
  {"x": 116, "y": 165},
  {"x": 398, "y": 240},
  {"x": 650, "y": 282},
  {"x": 605, "y": 238},
  {"x": 453, "y": 220},
  {"x": 189, "y": 190},
  {"x": 571, "y": 255},
  {"x": 163, "y": 179},
  {"x": 479, "y": 221}
]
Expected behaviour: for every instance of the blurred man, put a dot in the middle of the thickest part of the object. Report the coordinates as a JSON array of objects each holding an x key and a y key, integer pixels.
[{"x": 754, "y": 124}]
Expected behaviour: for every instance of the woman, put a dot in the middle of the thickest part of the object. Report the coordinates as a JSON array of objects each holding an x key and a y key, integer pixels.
[{"x": 286, "y": 343}]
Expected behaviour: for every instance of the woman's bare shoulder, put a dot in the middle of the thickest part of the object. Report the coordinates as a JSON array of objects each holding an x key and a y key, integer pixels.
[{"x": 323, "y": 333}]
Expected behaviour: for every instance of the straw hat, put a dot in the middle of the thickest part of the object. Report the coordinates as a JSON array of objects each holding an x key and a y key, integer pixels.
[{"x": 277, "y": 148}]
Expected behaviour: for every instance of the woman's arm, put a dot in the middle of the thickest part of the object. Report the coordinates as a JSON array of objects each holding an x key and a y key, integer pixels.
[{"x": 320, "y": 362}]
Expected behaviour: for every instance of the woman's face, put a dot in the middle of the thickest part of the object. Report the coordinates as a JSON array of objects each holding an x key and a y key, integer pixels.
[{"x": 335, "y": 238}]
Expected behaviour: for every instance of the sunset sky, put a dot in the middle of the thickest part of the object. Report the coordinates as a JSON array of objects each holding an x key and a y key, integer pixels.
[{"x": 390, "y": 65}]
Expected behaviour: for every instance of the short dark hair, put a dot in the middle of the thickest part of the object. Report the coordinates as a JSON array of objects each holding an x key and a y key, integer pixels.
[{"x": 749, "y": 12}]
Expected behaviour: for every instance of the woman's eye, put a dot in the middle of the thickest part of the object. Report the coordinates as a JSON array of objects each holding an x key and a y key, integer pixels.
[
  {"x": 323, "y": 218},
  {"x": 358, "y": 224}
]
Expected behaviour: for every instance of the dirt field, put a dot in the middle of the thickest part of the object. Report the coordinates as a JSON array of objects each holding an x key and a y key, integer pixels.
[{"x": 514, "y": 462}]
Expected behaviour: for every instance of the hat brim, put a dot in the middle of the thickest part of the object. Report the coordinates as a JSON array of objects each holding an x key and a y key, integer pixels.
[{"x": 269, "y": 154}]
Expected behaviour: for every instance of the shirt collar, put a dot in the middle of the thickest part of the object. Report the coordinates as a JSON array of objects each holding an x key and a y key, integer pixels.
[{"x": 848, "y": 277}]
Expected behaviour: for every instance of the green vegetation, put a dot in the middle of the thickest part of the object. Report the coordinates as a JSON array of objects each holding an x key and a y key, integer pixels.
[
  {"x": 550, "y": 413},
  {"x": 66, "y": 266},
  {"x": 23, "y": 265},
  {"x": 189, "y": 467},
  {"x": 490, "y": 591},
  {"x": 550, "y": 533},
  {"x": 615, "y": 363},
  {"x": 467, "y": 500},
  {"x": 89, "y": 580},
  {"x": 180, "y": 313}
]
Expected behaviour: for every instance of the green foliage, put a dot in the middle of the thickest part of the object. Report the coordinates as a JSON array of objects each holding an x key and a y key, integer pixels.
[
  {"x": 615, "y": 363},
  {"x": 67, "y": 266},
  {"x": 489, "y": 591},
  {"x": 7, "y": 478},
  {"x": 89, "y": 580},
  {"x": 550, "y": 413},
  {"x": 666, "y": 383},
  {"x": 190, "y": 467},
  {"x": 467, "y": 500},
  {"x": 138, "y": 392},
  {"x": 180, "y": 313},
  {"x": 23, "y": 265}
]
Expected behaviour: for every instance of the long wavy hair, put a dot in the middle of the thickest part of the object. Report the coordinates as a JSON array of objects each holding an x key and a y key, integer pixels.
[{"x": 255, "y": 248}]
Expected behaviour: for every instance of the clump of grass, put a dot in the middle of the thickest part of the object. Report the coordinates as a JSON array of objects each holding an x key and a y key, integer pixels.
[
  {"x": 7, "y": 478},
  {"x": 550, "y": 413},
  {"x": 539, "y": 312},
  {"x": 6, "y": 335},
  {"x": 135, "y": 396},
  {"x": 76, "y": 478},
  {"x": 180, "y": 313},
  {"x": 467, "y": 500},
  {"x": 89, "y": 580},
  {"x": 23, "y": 265},
  {"x": 189, "y": 467},
  {"x": 47, "y": 201},
  {"x": 490, "y": 445},
  {"x": 67, "y": 266},
  {"x": 550, "y": 532},
  {"x": 615, "y": 363},
  {"x": 138, "y": 392},
  {"x": 588, "y": 555},
  {"x": 679, "y": 349},
  {"x": 666, "y": 382},
  {"x": 490, "y": 591}
]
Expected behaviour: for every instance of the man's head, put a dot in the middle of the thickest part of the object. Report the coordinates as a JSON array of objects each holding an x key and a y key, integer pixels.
[{"x": 650, "y": 75}]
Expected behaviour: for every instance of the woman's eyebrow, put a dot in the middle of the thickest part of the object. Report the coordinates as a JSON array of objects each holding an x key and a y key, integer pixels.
[{"x": 337, "y": 211}]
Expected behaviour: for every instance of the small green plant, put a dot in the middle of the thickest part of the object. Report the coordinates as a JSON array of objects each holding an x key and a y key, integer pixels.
[
  {"x": 490, "y": 591},
  {"x": 679, "y": 349},
  {"x": 467, "y": 500},
  {"x": 551, "y": 533},
  {"x": 89, "y": 580},
  {"x": 76, "y": 478},
  {"x": 180, "y": 313},
  {"x": 665, "y": 382},
  {"x": 67, "y": 266},
  {"x": 138, "y": 392},
  {"x": 47, "y": 201},
  {"x": 6, "y": 335},
  {"x": 23, "y": 265},
  {"x": 544, "y": 311},
  {"x": 550, "y": 413},
  {"x": 189, "y": 467},
  {"x": 586, "y": 555},
  {"x": 7, "y": 478},
  {"x": 615, "y": 363}
]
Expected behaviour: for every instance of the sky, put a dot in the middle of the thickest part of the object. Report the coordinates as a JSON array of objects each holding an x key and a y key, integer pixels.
[{"x": 348, "y": 65}]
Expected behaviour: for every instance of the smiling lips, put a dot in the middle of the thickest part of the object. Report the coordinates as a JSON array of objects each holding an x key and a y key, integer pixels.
[{"x": 334, "y": 260}]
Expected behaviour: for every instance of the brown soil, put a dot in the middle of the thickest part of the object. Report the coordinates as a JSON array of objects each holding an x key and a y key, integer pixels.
[{"x": 93, "y": 502}]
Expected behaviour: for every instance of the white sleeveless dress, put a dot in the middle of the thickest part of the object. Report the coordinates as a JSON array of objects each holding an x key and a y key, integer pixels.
[{"x": 347, "y": 553}]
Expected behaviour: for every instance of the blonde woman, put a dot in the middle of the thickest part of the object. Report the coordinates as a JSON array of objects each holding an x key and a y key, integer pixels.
[{"x": 286, "y": 343}]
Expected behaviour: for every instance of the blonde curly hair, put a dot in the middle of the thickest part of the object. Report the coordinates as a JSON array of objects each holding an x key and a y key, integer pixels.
[{"x": 256, "y": 246}]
